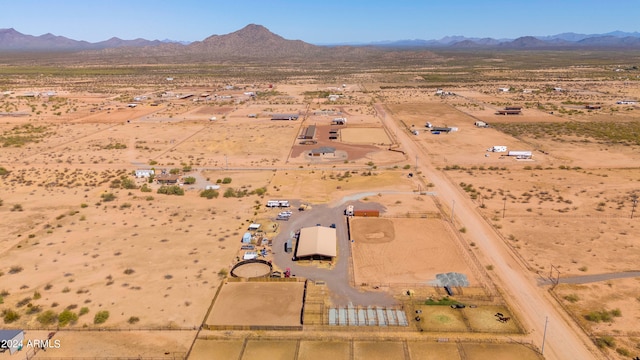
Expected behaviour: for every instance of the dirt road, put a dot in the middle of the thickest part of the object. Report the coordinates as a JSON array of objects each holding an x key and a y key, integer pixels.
[{"x": 564, "y": 340}]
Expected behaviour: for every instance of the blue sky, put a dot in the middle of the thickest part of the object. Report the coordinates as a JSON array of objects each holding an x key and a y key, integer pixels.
[{"x": 317, "y": 22}]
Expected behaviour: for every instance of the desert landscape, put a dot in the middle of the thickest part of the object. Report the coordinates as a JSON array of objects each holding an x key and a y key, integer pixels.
[{"x": 126, "y": 196}]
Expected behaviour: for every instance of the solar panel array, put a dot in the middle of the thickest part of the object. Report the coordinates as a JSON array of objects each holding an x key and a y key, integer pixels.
[
  {"x": 370, "y": 316},
  {"x": 452, "y": 279}
]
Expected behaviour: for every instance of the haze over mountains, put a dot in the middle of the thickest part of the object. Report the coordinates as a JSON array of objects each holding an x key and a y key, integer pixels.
[{"x": 259, "y": 40}]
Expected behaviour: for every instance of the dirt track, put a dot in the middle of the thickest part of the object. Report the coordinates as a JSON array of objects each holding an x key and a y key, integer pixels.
[{"x": 564, "y": 339}]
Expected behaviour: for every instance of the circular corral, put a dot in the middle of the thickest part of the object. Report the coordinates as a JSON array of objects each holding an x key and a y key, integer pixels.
[{"x": 252, "y": 269}]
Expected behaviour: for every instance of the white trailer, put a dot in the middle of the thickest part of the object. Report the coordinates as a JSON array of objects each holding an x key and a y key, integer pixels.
[
  {"x": 520, "y": 154},
  {"x": 283, "y": 203},
  {"x": 273, "y": 203},
  {"x": 497, "y": 148}
]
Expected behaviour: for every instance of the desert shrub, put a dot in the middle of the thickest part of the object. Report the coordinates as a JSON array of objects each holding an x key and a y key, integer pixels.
[
  {"x": 226, "y": 180},
  {"x": 603, "y": 316},
  {"x": 10, "y": 315},
  {"x": 145, "y": 188},
  {"x": 128, "y": 183},
  {"x": 3, "y": 171},
  {"x": 48, "y": 317},
  {"x": 572, "y": 298},
  {"x": 189, "y": 180},
  {"x": 174, "y": 171},
  {"x": 260, "y": 191},
  {"x": 407, "y": 167},
  {"x": 171, "y": 190},
  {"x": 209, "y": 193},
  {"x": 134, "y": 319},
  {"x": 67, "y": 317},
  {"x": 129, "y": 271},
  {"x": 153, "y": 162},
  {"x": 15, "y": 269},
  {"x": 101, "y": 317},
  {"x": 23, "y": 302},
  {"x": 83, "y": 311},
  {"x": 605, "y": 341},
  {"x": 107, "y": 197},
  {"x": 17, "y": 207},
  {"x": 622, "y": 351},
  {"x": 33, "y": 309}
]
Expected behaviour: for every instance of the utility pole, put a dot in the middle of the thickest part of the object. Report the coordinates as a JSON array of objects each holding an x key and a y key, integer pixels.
[
  {"x": 544, "y": 336},
  {"x": 226, "y": 163}
]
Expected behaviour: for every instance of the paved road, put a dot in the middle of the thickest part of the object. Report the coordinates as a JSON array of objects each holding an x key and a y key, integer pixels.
[
  {"x": 585, "y": 279},
  {"x": 564, "y": 339}
]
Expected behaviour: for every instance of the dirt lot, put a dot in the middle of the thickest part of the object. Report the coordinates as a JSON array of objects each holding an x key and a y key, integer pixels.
[
  {"x": 385, "y": 251},
  {"x": 245, "y": 303}
]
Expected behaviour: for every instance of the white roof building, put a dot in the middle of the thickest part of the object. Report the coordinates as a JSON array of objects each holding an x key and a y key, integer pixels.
[{"x": 317, "y": 241}]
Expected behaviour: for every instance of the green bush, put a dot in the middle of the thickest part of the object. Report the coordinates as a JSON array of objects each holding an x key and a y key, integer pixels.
[
  {"x": 10, "y": 315},
  {"x": 226, "y": 180},
  {"x": 128, "y": 183},
  {"x": 605, "y": 341},
  {"x": 623, "y": 351},
  {"x": 134, "y": 319},
  {"x": 67, "y": 317},
  {"x": 171, "y": 190},
  {"x": 209, "y": 193},
  {"x": 101, "y": 317},
  {"x": 603, "y": 316},
  {"x": 48, "y": 317},
  {"x": 189, "y": 180},
  {"x": 572, "y": 298},
  {"x": 83, "y": 311},
  {"x": 145, "y": 188}
]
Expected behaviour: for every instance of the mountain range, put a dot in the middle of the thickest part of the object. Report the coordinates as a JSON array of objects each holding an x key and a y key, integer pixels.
[{"x": 257, "y": 41}]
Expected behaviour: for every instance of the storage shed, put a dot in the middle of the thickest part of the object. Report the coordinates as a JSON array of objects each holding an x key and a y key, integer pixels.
[
  {"x": 317, "y": 242},
  {"x": 246, "y": 238}
]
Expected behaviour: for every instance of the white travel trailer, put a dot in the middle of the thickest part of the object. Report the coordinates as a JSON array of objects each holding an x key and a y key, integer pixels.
[
  {"x": 520, "y": 154},
  {"x": 497, "y": 148},
  {"x": 283, "y": 203},
  {"x": 273, "y": 203}
]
